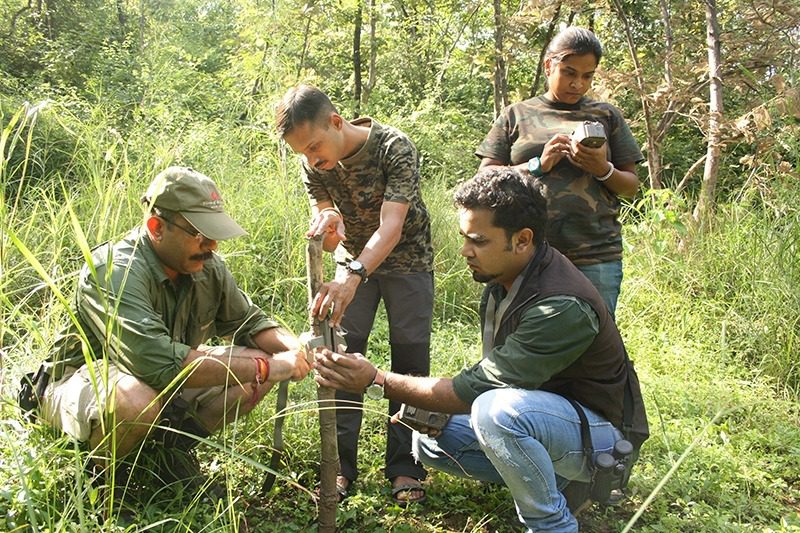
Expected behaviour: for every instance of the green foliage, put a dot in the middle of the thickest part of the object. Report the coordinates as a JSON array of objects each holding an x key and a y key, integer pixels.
[{"x": 114, "y": 96}]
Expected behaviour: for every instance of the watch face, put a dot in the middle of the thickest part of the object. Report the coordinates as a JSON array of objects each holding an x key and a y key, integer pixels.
[
  {"x": 356, "y": 265},
  {"x": 375, "y": 392}
]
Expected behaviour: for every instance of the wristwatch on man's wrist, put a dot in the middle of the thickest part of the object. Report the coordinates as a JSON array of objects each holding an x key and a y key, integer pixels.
[
  {"x": 356, "y": 267},
  {"x": 375, "y": 389},
  {"x": 535, "y": 167}
]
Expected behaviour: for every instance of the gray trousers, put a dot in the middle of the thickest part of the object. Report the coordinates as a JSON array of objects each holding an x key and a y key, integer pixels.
[{"x": 408, "y": 299}]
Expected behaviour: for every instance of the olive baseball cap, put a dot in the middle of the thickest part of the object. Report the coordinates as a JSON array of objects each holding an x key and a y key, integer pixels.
[{"x": 196, "y": 197}]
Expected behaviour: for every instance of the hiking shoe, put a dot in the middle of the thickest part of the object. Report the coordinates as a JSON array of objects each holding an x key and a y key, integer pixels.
[{"x": 181, "y": 470}]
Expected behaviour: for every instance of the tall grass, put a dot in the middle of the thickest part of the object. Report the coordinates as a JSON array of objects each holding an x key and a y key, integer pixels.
[{"x": 711, "y": 320}]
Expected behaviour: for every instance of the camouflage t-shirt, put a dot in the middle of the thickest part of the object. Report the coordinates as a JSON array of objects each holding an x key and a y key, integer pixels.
[
  {"x": 582, "y": 213},
  {"x": 385, "y": 169}
]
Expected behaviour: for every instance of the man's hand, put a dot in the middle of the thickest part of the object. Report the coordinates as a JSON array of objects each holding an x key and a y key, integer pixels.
[
  {"x": 351, "y": 372},
  {"x": 329, "y": 223},
  {"x": 337, "y": 295},
  {"x": 291, "y": 364}
]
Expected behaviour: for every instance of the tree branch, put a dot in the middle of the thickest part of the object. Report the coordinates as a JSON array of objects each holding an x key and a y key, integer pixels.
[{"x": 15, "y": 17}]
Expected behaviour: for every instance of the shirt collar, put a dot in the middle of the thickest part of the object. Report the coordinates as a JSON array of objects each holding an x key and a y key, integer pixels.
[{"x": 362, "y": 153}]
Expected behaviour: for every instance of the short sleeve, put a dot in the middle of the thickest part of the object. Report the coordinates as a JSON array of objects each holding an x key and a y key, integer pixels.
[
  {"x": 402, "y": 170},
  {"x": 497, "y": 144}
]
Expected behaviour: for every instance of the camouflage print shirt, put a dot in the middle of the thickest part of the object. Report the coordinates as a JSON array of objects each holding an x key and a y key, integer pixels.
[
  {"x": 385, "y": 169},
  {"x": 582, "y": 212}
]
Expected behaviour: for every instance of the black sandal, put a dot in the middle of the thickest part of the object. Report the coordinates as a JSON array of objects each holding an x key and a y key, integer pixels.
[
  {"x": 341, "y": 490},
  {"x": 408, "y": 487}
]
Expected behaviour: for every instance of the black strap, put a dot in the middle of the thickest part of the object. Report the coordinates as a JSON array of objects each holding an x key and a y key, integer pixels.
[
  {"x": 627, "y": 401},
  {"x": 627, "y": 413},
  {"x": 586, "y": 437},
  {"x": 277, "y": 437}
]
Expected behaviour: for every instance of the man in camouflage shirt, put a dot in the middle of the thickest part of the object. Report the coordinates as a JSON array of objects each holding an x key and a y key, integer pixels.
[
  {"x": 135, "y": 357},
  {"x": 363, "y": 176}
]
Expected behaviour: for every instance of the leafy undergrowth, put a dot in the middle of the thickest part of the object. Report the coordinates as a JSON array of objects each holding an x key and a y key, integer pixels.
[{"x": 741, "y": 475}]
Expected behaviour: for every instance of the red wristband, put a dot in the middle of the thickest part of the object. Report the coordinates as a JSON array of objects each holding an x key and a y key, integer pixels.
[{"x": 262, "y": 370}]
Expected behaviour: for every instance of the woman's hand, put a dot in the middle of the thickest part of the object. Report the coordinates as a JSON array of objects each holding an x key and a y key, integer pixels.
[
  {"x": 591, "y": 160},
  {"x": 554, "y": 151}
]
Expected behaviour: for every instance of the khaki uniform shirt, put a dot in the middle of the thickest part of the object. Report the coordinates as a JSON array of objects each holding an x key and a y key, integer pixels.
[
  {"x": 385, "y": 169},
  {"x": 131, "y": 312},
  {"x": 582, "y": 213}
]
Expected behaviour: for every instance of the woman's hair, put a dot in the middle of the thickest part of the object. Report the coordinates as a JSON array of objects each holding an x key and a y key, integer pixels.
[
  {"x": 574, "y": 41},
  {"x": 516, "y": 201}
]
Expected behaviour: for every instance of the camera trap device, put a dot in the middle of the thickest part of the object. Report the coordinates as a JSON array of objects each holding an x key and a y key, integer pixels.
[
  {"x": 590, "y": 133},
  {"x": 416, "y": 417}
]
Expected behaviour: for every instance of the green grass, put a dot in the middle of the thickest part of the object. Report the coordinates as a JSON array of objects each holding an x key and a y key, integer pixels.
[{"x": 710, "y": 319}]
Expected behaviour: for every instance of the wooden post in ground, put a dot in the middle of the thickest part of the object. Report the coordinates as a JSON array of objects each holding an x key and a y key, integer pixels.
[{"x": 329, "y": 460}]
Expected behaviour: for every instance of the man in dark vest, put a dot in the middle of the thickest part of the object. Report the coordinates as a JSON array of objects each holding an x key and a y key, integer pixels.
[{"x": 550, "y": 349}]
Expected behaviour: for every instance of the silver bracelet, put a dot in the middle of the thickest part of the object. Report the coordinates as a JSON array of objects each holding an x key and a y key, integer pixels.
[
  {"x": 332, "y": 209},
  {"x": 607, "y": 175}
]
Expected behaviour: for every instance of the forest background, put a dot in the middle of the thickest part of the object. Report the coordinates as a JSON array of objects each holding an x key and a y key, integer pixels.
[{"x": 96, "y": 96}]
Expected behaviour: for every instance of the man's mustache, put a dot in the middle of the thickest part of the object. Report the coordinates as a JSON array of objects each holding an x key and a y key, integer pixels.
[{"x": 202, "y": 257}]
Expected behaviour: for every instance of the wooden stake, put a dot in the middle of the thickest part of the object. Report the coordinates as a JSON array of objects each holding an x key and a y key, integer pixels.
[{"x": 329, "y": 460}]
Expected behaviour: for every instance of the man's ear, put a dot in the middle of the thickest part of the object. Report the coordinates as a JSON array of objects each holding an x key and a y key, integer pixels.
[
  {"x": 548, "y": 64},
  {"x": 336, "y": 121},
  {"x": 523, "y": 240},
  {"x": 155, "y": 227}
]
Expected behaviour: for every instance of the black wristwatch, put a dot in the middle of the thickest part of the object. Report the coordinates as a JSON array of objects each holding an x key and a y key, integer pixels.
[{"x": 356, "y": 267}]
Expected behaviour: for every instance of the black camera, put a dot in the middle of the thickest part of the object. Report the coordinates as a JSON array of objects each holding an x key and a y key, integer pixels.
[
  {"x": 611, "y": 473},
  {"x": 416, "y": 417},
  {"x": 590, "y": 133}
]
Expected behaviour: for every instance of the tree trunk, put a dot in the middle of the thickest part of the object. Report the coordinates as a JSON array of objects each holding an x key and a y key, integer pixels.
[
  {"x": 705, "y": 204},
  {"x": 372, "y": 76},
  {"x": 122, "y": 17},
  {"x": 448, "y": 53},
  {"x": 306, "y": 36},
  {"x": 357, "y": 61},
  {"x": 653, "y": 149},
  {"x": 666, "y": 18},
  {"x": 540, "y": 65},
  {"x": 141, "y": 24},
  {"x": 329, "y": 453},
  {"x": 500, "y": 87}
]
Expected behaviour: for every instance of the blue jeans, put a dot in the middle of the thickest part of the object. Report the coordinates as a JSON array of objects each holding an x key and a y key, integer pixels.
[
  {"x": 607, "y": 279},
  {"x": 530, "y": 441}
]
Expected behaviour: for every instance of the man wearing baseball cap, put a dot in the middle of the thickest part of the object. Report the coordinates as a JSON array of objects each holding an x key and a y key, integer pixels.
[{"x": 133, "y": 366}]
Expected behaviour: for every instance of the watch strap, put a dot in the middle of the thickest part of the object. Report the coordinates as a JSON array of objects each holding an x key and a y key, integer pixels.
[
  {"x": 535, "y": 166},
  {"x": 362, "y": 271}
]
